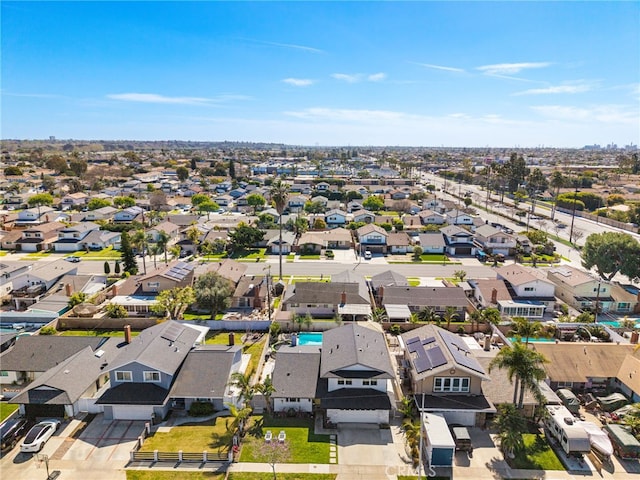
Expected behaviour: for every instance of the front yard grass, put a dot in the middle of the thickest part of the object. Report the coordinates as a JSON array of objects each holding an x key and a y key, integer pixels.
[
  {"x": 413, "y": 281},
  {"x": 35, "y": 255},
  {"x": 309, "y": 257},
  {"x": 250, "y": 254},
  {"x": 164, "y": 475},
  {"x": 537, "y": 455},
  {"x": 96, "y": 333},
  {"x": 105, "y": 254},
  {"x": 7, "y": 409},
  {"x": 304, "y": 445},
  {"x": 211, "y": 436},
  {"x": 281, "y": 476}
]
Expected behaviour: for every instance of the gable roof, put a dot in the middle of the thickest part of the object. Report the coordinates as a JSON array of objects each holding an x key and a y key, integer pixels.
[
  {"x": 519, "y": 275},
  {"x": 227, "y": 268},
  {"x": 205, "y": 372},
  {"x": 425, "y": 296},
  {"x": 388, "y": 278},
  {"x": 176, "y": 271},
  {"x": 352, "y": 345},
  {"x": 325, "y": 293},
  {"x": 296, "y": 371},
  {"x": 455, "y": 230},
  {"x": 371, "y": 228},
  {"x": 163, "y": 347},
  {"x": 569, "y": 275},
  {"x": 435, "y": 239}
]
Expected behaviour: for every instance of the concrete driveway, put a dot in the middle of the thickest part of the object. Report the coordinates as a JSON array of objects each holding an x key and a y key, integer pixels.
[
  {"x": 367, "y": 444},
  {"x": 105, "y": 441}
]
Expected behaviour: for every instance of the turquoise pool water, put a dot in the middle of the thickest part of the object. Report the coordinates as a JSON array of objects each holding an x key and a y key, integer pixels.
[
  {"x": 615, "y": 324},
  {"x": 534, "y": 340},
  {"x": 311, "y": 338}
]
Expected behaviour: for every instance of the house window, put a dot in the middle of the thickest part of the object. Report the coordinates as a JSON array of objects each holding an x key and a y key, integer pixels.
[
  {"x": 344, "y": 382},
  {"x": 565, "y": 384},
  {"x": 451, "y": 384},
  {"x": 4, "y": 373},
  {"x": 624, "y": 306},
  {"x": 124, "y": 376},
  {"x": 293, "y": 400},
  {"x": 528, "y": 289},
  {"x": 153, "y": 284},
  {"x": 151, "y": 376},
  {"x": 369, "y": 382}
]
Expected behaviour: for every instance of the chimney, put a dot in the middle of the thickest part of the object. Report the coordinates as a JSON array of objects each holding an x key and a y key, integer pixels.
[
  {"x": 232, "y": 339},
  {"x": 343, "y": 298},
  {"x": 68, "y": 289},
  {"x": 257, "y": 303},
  {"x": 381, "y": 292},
  {"x": 494, "y": 296},
  {"x": 127, "y": 334},
  {"x": 114, "y": 290}
]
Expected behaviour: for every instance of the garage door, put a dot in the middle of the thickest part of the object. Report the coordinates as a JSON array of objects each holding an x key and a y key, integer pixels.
[
  {"x": 51, "y": 411},
  {"x": 468, "y": 419},
  {"x": 463, "y": 251},
  {"x": 132, "y": 412},
  {"x": 358, "y": 416}
]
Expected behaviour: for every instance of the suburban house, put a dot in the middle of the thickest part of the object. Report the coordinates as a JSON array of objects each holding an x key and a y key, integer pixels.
[
  {"x": 39, "y": 238},
  {"x": 205, "y": 376},
  {"x": 9, "y": 240},
  {"x": 627, "y": 379},
  {"x": 74, "y": 200},
  {"x": 335, "y": 218},
  {"x": 579, "y": 289},
  {"x": 355, "y": 364},
  {"x": 627, "y": 298},
  {"x": 71, "y": 239},
  {"x": 528, "y": 286},
  {"x": 295, "y": 203},
  {"x": 142, "y": 374},
  {"x": 399, "y": 242},
  {"x": 128, "y": 214},
  {"x": 458, "y": 241},
  {"x": 429, "y": 217},
  {"x": 295, "y": 378},
  {"x": 288, "y": 239},
  {"x": 488, "y": 292},
  {"x": 72, "y": 385},
  {"x": 35, "y": 216},
  {"x": 171, "y": 229},
  {"x": 226, "y": 268},
  {"x": 432, "y": 242},
  {"x": 386, "y": 279},
  {"x": 458, "y": 217},
  {"x": 250, "y": 293},
  {"x": 44, "y": 275},
  {"x": 436, "y": 298},
  {"x": 579, "y": 366},
  {"x": 445, "y": 376},
  {"x": 175, "y": 274},
  {"x": 104, "y": 213},
  {"x": 101, "y": 239},
  {"x": 373, "y": 238},
  {"x": 327, "y": 300},
  {"x": 338, "y": 238},
  {"x": 495, "y": 241}
]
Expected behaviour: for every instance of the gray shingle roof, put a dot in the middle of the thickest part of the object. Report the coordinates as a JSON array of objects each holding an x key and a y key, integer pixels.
[
  {"x": 425, "y": 296},
  {"x": 325, "y": 293},
  {"x": 355, "y": 345},
  {"x": 388, "y": 278},
  {"x": 296, "y": 371}
]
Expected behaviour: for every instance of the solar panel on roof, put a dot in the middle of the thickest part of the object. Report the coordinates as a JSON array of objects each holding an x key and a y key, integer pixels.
[
  {"x": 429, "y": 340},
  {"x": 436, "y": 357},
  {"x": 413, "y": 340},
  {"x": 422, "y": 364},
  {"x": 172, "y": 333}
]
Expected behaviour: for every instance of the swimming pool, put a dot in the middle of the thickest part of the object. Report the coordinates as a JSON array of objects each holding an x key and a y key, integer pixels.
[
  {"x": 310, "y": 338},
  {"x": 616, "y": 324},
  {"x": 534, "y": 340}
]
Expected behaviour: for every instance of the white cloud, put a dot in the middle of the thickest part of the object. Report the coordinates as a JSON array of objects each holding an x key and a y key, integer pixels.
[
  {"x": 610, "y": 114},
  {"x": 511, "y": 68},
  {"x": 347, "y": 77},
  {"x": 559, "y": 89},
  {"x": 298, "y": 82},
  {"x": 377, "y": 77},
  {"x": 441, "y": 67},
  {"x": 162, "y": 99}
]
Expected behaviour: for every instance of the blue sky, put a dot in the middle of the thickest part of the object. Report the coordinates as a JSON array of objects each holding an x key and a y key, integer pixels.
[{"x": 499, "y": 74}]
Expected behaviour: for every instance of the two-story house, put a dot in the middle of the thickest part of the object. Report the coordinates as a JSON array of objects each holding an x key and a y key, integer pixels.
[
  {"x": 295, "y": 203},
  {"x": 495, "y": 241},
  {"x": 445, "y": 376},
  {"x": 74, "y": 200},
  {"x": 35, "y": 216},
  {"x": 373, "y": 238},
  {"x": 70, "y": 239},
  {"x": 128, "y": 214},
  {"x": 175, "y": 274},
  {"x": 355, "y": 364},
  {"x": 335, "y": 218},
  {"x": 528, "y": 286},
  {"x": 458, "y": 217},
  {"x": 347, "y": 299},
  {"x": 458, "y": 241},
  {"x": 39, "y": 238},
  {"x": 104, "y": 213},
  {"x": 579, "y": 289},
  {"x": 141, "y": 376}
]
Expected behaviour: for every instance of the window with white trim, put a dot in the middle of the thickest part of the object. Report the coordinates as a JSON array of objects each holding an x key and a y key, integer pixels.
[
  {"x": 369, "y": 382},
  {"x": 293, "y": 400},
  {"x": 451, "y": 384},
  {"x": 344, "y": 382},
  {"x": 152, "y": 376},
  {"x": 124, "y": 376}
]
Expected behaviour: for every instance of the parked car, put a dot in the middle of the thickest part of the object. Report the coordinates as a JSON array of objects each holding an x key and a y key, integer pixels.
[
  {"x": 38, "y": 435},
  {"x": 72, "y": 259},
  {"x": 11, "y": 431},
  {"x": 367, "y": 255},
  {"x": 462, "y": 439}
]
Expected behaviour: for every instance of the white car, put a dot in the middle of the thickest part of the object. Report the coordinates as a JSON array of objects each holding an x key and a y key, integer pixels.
[
  {"x": 38, "y": 435},
  {"x": 367, "y": 255}
]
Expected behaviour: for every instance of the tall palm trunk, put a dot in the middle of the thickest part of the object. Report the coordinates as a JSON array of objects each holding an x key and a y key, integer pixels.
[
  {"x": 516, "y": 388},
  {"x": 280, "y": 247}
]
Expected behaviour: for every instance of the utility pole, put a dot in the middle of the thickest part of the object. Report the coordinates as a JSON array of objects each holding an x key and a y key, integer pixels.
[
  {"x": 595, "y": 315},
  {"x": 573, "y": 214}
]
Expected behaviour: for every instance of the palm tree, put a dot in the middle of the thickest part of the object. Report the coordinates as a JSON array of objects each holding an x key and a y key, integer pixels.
[
  {"x": 522, "y": 365},
  {"x": 139, "y": 239},
  {"x": 412, "y": 433},
  {"x": 240, "y": 416},
  {"x": 523, "y": 328},
  {"x": 510, "y": 426},
  {"x": 449, "y": 315},
  {"x": 243, "y": 383},
  {"x": 279, "y": 193},
  {"x": 476, "y": 318},
  {"x": 557, "y": 182},
  {"x": 163, "y": 243},
  {"x": 267, "y": 389},
  {"x": 490, "y": 316},
  {"x": 427, "y": 314},
  {"x": 193, "y": 234}
]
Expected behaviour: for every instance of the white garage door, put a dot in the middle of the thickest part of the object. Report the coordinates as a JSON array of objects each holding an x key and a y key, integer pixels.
[
  {"x": 468, "y": 419},
  {"x": 132, "y": 412},
  {"x": 358, "y": 416}
]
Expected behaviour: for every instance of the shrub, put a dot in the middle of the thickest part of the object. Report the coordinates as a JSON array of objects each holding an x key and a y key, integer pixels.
[
  {"x": 201, "y": 409},
  {"x": 48, "y": 331},
  {"x": 329, "y": 254},
  {"x": 395, "y": 330}
]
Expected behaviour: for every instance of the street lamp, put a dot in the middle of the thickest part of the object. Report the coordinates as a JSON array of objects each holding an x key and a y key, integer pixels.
[{"x": 573, "y": 213}]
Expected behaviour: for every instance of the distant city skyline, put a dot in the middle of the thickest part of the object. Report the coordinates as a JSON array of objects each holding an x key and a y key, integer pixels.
[{"x": 459, "y": 74}]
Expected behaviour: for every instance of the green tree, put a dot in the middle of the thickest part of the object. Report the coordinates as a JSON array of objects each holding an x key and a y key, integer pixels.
[
  {"x": 163, "y": 243},
  {"x": 319, "y": 224},
  {"x": 57, "y": 163},
  {"x": 516, "y": 170},
  {"x": 40, "y": 199},
  {"x": 374, "y": 203},
  {"x": 510, "y": 425},
  {"x": 182, "y": 173},
  {"x": 490, "y": 316},
  {"x": 116, "y": 268},
  {"x": 314, "y": 207},
  {"x": 417, "y": 253},
  {"x": 450, "y": 315},
  {"x": 523, "y": 328},
  {"x": 213, "y": 292},
  {"x": 245, "y": 236},
  {"x": 78, "y": 166},
  {"x": 279, "y": 193},
  {"x": 124, "y": 202},
  {"x": 460, "y": 275},
  {"x": 173, "y": 302},
  {"x": 77, "y": 298},
  {"x": 267, "y": 389},
  {"x": 256, "y": 201},
  {"x": 107, "y": 268},
  {"x": 427, "y": 314},
  {"x": 140, "y": 241},
  {"x": 116, "y": 311},
  {"x": 128, "y": 258},
  {"x": 13, "y": 170},
  {"x": 242, "y": 382},
  {"x": 232, "y": 169},
  {"x": 612, "y": 253},
  {"x": 96, "y": 203},
  {"x": 199, "y": 198}
]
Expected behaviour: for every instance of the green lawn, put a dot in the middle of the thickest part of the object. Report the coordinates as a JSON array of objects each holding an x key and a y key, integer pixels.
[
  {"x": 3, "y": 253},
  {"x": 413, "y": 281},
  {"x": 96, "y": 333},
  {"x": 168, "y": 475},
  {"x": 293, "y": 280},
  {"x": 304, "y": 445},
  {"x": 255, "y": 350},
  {"x": 35, "y": 255},
  {"x": 280, "y": 476},
  {"x": 250, "y": 254},
  {"x": 211, "y": 436},
  {"x": 201, "y": 316},
  {"x": 309, "y": 257},
  {"x": 291, "y": 257},
  {"x": 105, "y": 254},
  {"x": 220, "y": 338},
  {"x": 214, "y": 256},
  {"x": 537, "y": 455},
  {"x": 7, "y": 409}
]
